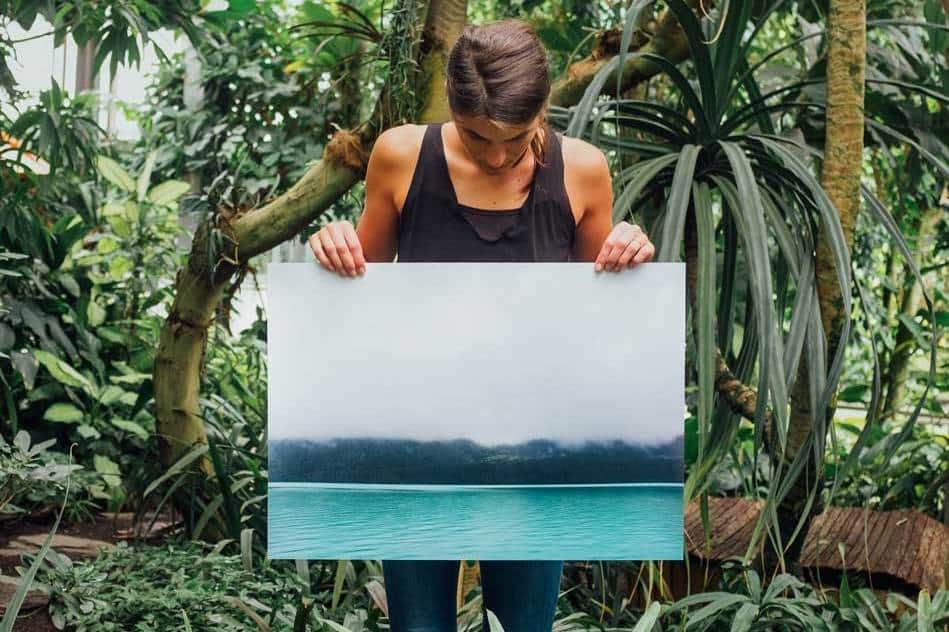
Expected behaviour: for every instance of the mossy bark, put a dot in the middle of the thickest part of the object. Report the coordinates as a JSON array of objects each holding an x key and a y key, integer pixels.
[
  {"x": 199, "y": 285},
  {"x": 840, "y": 177}
]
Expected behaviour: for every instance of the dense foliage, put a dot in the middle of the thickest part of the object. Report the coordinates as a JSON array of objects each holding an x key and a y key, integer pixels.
[{"x": 90, "y": 240}]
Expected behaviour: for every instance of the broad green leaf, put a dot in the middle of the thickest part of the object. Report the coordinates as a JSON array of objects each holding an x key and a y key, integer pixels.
[
  {"x": 110, "y": 395},
  {"x": 106, "y": 245},
  {"x": 168, "y": 191},
  {"x": 130, "y": 426},
  {"x": 62, "y": 371},
  {"x": 88, "y": 432},
  {"x": 62, "y": 412},
  {"x": 132, "y": 212},
  {"x": 109, "y": 470},
  {"x": 95, "y": 313},
  {"x": 115, "y": 174},
  {"x": 119, "y": 266},
  {"x": 120, "y": 226},
  {"x": 112, "y": 208}
]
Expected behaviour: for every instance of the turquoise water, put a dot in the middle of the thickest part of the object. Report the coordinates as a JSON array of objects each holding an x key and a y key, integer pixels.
[{"x": 567, "y": 522}]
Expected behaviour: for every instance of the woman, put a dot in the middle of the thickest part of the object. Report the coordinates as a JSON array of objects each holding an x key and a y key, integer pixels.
[{"x": 493, "y": 184}]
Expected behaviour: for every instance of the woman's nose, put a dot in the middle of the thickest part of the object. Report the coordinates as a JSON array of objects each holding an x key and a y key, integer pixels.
[{"x": 495, "y": 158}]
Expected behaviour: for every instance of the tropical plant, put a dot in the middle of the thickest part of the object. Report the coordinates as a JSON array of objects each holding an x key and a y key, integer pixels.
[
  {"x": 25, "y": 468},
  {"x": 722, "y": 160}
]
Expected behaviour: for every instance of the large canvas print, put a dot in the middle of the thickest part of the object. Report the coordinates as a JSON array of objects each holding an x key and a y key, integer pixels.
[{"x": 476, "y": 411}]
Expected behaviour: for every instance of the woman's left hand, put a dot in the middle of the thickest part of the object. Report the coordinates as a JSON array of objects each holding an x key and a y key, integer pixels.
[{"x": 625, "y": 246}]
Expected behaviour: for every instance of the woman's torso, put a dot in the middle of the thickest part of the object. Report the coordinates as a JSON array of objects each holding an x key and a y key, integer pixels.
[{"x": 434, "y": 226}]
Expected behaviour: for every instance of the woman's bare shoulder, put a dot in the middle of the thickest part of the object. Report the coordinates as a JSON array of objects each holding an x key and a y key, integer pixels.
[
  {"x": 393, "y": 160},
  {"x": 398, "y": 145},
  {"x": 581, "y": 158}
]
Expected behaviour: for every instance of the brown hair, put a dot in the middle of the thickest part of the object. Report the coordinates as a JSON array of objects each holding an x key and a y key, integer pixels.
[{"x": 500, "y": 70}]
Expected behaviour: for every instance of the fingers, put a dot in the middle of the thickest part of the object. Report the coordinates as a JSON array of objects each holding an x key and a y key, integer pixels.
[
  {"x": 626, "y": 246},
  {"x": 336, "y": 247},
  {"x": 355, "y": 249},
  {"x": 609, "y": 253}
]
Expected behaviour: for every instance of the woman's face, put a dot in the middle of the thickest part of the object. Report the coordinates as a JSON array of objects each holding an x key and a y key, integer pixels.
[{"x": 495, "y": 146}]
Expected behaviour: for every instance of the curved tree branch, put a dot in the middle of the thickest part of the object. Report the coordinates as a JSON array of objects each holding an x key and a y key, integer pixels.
[
  {"x": 668, "y": 40},
  {"x": 198, "y": 289}
]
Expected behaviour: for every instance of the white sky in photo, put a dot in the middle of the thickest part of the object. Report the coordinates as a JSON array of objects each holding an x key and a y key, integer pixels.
[{"x": 491, "y": 352}]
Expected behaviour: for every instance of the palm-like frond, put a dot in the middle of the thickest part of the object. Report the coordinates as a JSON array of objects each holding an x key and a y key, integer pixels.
[{"x": 721, "y": 165}]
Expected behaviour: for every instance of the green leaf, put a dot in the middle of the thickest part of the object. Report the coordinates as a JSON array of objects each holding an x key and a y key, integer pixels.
[
  {"x": 112, "y": 208},
  {"x": 745, "y": 617},
  {"x": 95, "y": 313},
  {"x": 120, "y": 225},
  {"x": 634, "y": 180},
  {"x": 64, "y": 413},
  {"x": 179, "y": 465},
  {"x": 132, "y": 212},
  {"x": 145, "y": 176},
  {"x": 106, "y": 245},
  {"x": 88, "y": 432},
  {"x": 13, "y": 607},
  {"x": 924, "y": 612},
  {"x": 130, "y": 426},
  {"x": 338, "y": 582},
  {"x": 678, "y": 205},
  {"x": 648, "y": 620},
  {"x": 119, "y": 266},
  {"x": 109, "y": 470},
  {"x": 168, "y": 191},
  {"x": 62, "y": 371},
  {"x": 115, "y": 174},
  {"x": 701, "y": 59},
  {"x": 705, "y": 299}
]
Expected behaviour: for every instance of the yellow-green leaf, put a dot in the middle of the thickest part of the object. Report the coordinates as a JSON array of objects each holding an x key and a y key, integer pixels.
[
  {"x": 109, "y": 470},
  {"x": 115, "y": 174},
  {"x": 61, "y": 370},
  {"x": 118, "y": 267},
  {"x": 63, "y": 413},
  {"x": 144, "y": 177},
  {"x": 111, "y": 394},
  {"x": 95, "y": 313},
  {"x": 112, "y": 208},
  {"x": 168, "y": 191},
  {"x": 120, "y": 225},
  {"x": 106, "y": 245},
  {"x": 132, "y": 211}
]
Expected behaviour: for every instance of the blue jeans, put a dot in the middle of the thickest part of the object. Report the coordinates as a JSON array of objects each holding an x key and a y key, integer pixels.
[{"x": 421, "y": 594}]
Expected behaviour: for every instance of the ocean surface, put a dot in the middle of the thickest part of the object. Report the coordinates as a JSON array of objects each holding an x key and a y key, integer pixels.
[{"x": 515, "y": 522}]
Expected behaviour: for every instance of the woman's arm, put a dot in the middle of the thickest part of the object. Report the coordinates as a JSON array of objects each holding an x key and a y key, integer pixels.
[
  {"x": 343, "y": 249},
  {"x": 589, "y": 184}
]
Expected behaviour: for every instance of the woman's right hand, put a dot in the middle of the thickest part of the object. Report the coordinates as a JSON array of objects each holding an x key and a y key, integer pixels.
[{"x": 337, "y": 248}]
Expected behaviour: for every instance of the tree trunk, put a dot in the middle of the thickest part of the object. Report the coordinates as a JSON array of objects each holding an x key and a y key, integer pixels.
[
  {"x": 179, "y": 359},
  {"x": 840, "y": 177}
]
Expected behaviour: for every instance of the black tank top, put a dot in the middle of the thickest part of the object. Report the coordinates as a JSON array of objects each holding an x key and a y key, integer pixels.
[{"x": 433, "y": 226}]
